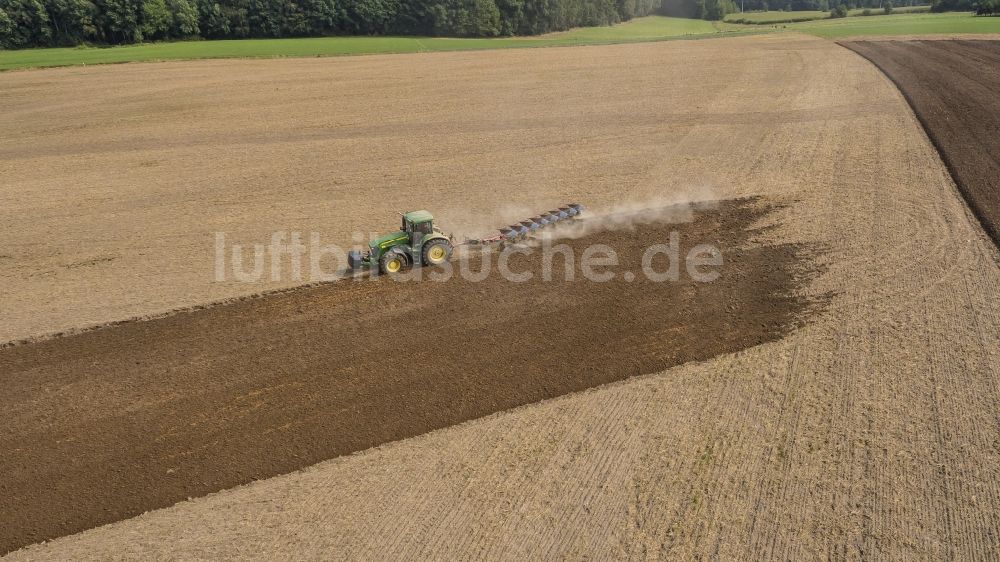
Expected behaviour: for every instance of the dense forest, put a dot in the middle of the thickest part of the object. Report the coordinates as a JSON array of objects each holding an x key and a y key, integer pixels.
[{"x": 34, "y": 23}]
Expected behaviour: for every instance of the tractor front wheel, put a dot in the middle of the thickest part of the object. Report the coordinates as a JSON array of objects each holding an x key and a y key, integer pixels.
[
  {"x": 392, "y": 262},
  {"x": 437, "y": 252}
]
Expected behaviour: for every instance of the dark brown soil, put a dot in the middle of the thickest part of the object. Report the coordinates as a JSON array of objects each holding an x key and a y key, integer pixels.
[
  {"x": 954, "y": 88},
  {"x": 104, "y": 425}
]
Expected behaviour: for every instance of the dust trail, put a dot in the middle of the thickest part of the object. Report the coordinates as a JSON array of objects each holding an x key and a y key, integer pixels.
[
  {"x": 629, "y": 215},
  {"x": 675, "y": 207}
]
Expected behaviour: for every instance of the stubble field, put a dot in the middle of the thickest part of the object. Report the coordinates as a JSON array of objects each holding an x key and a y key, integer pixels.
[{"x": 870, "y": 429}]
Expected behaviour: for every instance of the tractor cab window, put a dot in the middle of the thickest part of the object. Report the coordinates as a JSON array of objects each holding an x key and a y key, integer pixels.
[
  {"x": 424, "y": 227},
  {"x": 407, "y": 226}
]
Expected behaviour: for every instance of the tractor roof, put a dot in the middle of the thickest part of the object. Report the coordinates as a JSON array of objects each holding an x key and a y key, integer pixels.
[{"x": 418, "y": 216}]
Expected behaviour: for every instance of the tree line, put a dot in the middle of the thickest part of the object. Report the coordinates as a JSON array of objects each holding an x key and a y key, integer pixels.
[
  {"x": 981, "y": 7},
  {"x": 45, "y": 23},
  {"x": 718, "y": 9}
]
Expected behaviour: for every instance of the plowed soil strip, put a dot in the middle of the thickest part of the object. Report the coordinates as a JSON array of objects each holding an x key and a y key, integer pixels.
[
  {"x": 104, "y": 425},
  {"x": 953, "y": 88}
]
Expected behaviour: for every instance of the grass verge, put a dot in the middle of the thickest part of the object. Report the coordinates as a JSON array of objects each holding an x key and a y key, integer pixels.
[
  {"x": 780, "y": 16},
  {"x": 901, "y": 24},
  {"x": 652, "y": 28}
]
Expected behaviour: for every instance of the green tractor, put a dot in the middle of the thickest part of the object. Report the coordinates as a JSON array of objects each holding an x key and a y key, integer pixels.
[{"x": 417, "y": 242}]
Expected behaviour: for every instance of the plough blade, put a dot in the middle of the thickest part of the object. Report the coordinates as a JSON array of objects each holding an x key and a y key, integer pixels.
[{"x": 527, "y": 227}]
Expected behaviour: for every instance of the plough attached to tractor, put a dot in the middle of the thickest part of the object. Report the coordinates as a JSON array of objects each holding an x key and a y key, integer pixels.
[{"x": 420, "y": 242}]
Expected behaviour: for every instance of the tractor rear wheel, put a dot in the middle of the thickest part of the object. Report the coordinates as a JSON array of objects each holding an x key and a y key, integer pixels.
[
  {"x": 392, "y": 262},
  {"x": 436, "y": 252}
]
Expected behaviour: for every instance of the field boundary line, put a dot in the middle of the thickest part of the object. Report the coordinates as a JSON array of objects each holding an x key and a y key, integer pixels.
[{"x": 967, "y": 197}]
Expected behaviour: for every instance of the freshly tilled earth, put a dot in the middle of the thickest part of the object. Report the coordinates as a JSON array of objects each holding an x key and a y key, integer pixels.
[{"x": 107, "y": 424}]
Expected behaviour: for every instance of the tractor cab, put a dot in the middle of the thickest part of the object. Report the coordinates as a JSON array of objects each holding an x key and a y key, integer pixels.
[{"x": 417, "y": 225}]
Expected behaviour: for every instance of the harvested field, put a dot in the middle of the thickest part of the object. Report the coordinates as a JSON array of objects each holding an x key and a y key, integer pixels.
[
  {"x": 871, "y": 431},
  {"x": 275, "y": 384},
  {"x": 113, "y": 195},
  {"x": 953, "y": 87}
]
